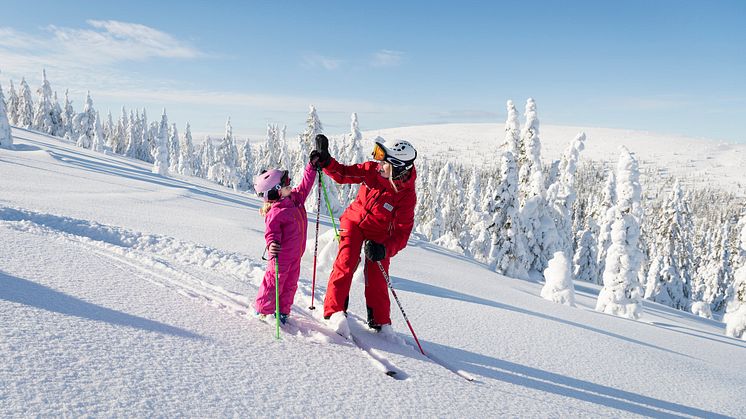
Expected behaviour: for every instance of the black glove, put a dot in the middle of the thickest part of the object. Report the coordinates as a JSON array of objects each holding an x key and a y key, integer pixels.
[
  {"x": 375, "y": 251},
  {"x": 319, "y": 159},
  {"x": 322, "y": 143}
]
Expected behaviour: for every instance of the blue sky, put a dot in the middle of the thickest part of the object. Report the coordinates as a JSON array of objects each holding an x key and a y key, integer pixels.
[{"x": 664, "y": 66}]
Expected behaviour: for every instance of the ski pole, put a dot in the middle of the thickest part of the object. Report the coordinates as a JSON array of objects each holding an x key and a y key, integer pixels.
[
  {"x": 388, "y": 282},
  {"x": 326, "y": 198},
  {"x": 277, "y": 297},
  {"x": 316, "y": 246}
]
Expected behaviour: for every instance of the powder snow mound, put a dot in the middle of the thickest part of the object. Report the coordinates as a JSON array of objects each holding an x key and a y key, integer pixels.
[{"x": 124, "y": 293}]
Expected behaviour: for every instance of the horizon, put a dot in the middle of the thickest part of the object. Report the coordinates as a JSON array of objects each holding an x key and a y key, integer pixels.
[{"x": 668, "y": 67}]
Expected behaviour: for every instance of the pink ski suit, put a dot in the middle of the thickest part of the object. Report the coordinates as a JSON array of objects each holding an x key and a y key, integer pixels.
[{"x": 286, "y": 223}]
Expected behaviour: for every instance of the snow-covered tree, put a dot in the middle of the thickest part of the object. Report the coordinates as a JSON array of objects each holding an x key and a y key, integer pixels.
[
  {"x": 508, "y": 250},
  {"x": 12, "y": 107},
  {"x": 174, "y": 150},
  {"x": 6, "y": 139},
  {"x": 99, "y": 140},
  {"x": 43, "y": 118},
  {"x": 717, "y": 273},
  {"x": 584, "y": 260},
  {"x": 735, "y": 312},
  {"x": 131, "y": 137},
  {"x": 68, "y": 114},
  {"x": 561, "y": 195},
  {"x": 56, "y": 116},
  {"x": 245, "y": 167},
  {"x": 160, "y": 164},
  {"x": 606, "y": 216},
  {"x": 559, "y": 287},
  {"x": 223, "y": 168},
  {"x": 512, "y": 131},
  {"x": 25, "y": 110},
  {"x": 621, "y": 292},
  {"x": 186, "y": 156},
  {"x": 669, "y": 279},
  {"x": 83, "y": 124}
]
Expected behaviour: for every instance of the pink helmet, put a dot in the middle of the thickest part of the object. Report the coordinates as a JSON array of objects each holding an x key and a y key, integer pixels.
[{"x": 268, "y": 183}]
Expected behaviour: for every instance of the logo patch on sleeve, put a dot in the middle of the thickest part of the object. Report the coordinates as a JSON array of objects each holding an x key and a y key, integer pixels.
[{"x": 388, "y": 206}]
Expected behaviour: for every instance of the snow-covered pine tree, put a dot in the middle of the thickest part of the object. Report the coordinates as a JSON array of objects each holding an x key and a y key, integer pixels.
[
  {"x": 605, "y": 213},
  {"x": 99, "y": 139},
  {"x": 559, "y": 287},
  {"x": 68, "y": 114},
  {"x": 174, "y": 150},
  {"x": 512, "y": 131},
  {"x": 118, "y": 140},
  {"x": 12, "y": 106},
  {"x": 584, "y": 260},
  {"x": 25, "y": 110},
  {"x": 109, "y": 128},
  {"x": 735, "y": 312},
  {"x": 186, "y": 156},
  {"x": 669, "y": 278},
  {"x": 621, "y": 292},
  {"x": 538, "y": 227},
  {"x": 146, "y": 139},
  {"x": 245, "y": 167},
  {"x": 508, "y": 248},
  {"x": 447, "y": 206},
  {"x": 561, "y": 195},
  {"x": 353, "y": 154},
  {"x": 160, "y": 164},
  {"x": 132, "y": 138},
  {"x": 223, "y": 168},
  {"x": 208, "y": 156},
  {"x": 6, "y": 139},
  {"x": 56, "y": 115},
  {"x": 472, "y": 213},
  {"x": 83, "y": 123},
  {"x": 43, "y": 111}
]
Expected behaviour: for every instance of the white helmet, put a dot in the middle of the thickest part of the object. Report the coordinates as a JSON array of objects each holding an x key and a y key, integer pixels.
[{"x": 401, "y": 154}]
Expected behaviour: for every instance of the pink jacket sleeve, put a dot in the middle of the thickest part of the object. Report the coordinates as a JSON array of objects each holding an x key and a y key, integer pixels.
[
  {"x": 302, "y": 190},
  {"x": 273, "y": 227}
]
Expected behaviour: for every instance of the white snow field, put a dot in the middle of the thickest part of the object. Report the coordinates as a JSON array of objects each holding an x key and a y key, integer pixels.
[{"x": 125, "y": 293}]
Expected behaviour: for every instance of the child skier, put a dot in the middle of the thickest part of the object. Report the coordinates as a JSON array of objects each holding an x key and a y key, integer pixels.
[{"x": 285, "y": 234}]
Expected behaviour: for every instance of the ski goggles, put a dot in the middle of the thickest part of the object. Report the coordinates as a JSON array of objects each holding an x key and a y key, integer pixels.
[
  {"x": 274, "y": 193},
  {"x": 379, "y": 154}
]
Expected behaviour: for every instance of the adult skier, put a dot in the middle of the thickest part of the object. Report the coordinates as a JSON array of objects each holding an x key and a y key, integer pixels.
[{"x": 380, "y": 218}]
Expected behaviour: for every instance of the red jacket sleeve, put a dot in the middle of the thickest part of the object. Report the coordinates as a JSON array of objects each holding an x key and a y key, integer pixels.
[
  {"x": 356, "y": 173},
  {"x": 403, "y": 224}
]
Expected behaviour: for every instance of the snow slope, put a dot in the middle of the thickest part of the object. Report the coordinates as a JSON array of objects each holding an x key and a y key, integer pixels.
[
  {"x": 124, "y": 293},
  {"x": 696, "y": 161}
]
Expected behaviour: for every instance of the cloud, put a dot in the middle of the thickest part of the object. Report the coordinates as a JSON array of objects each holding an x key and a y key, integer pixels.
[
  {"x": 106, "y": 42},
  {"x": 313, "y": 60},
  {"x": 387, "y": 58},
  {"x": 112, "y": 41}
]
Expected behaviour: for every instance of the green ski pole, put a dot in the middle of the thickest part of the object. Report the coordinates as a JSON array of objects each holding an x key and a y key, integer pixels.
[
  {"x": 326, "y": 199},
  {"x": 277, "y": 296}
]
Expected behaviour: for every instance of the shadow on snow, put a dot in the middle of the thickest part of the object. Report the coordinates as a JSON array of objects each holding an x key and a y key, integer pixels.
[{"x": 31, "y": 294}]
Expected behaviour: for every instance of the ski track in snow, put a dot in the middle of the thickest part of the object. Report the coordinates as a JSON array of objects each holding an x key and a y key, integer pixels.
[{"x": 194, "y": 271}]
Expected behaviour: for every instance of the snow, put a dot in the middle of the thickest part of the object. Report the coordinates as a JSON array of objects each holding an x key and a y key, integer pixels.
[{"x": 126, "y": 293}]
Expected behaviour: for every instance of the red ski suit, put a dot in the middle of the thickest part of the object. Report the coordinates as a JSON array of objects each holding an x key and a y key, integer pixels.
[{"x": 378, "y": 213}]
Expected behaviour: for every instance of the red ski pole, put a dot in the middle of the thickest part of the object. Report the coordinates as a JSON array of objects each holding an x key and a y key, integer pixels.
[
  {"x": 316, "y": 246},
  {"x": 388, "y": 282}
]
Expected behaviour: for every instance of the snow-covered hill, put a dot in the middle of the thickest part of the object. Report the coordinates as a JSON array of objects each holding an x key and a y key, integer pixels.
[
  {"x": 697, "y": 161},
  {"x": 124, "y": 293}
]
